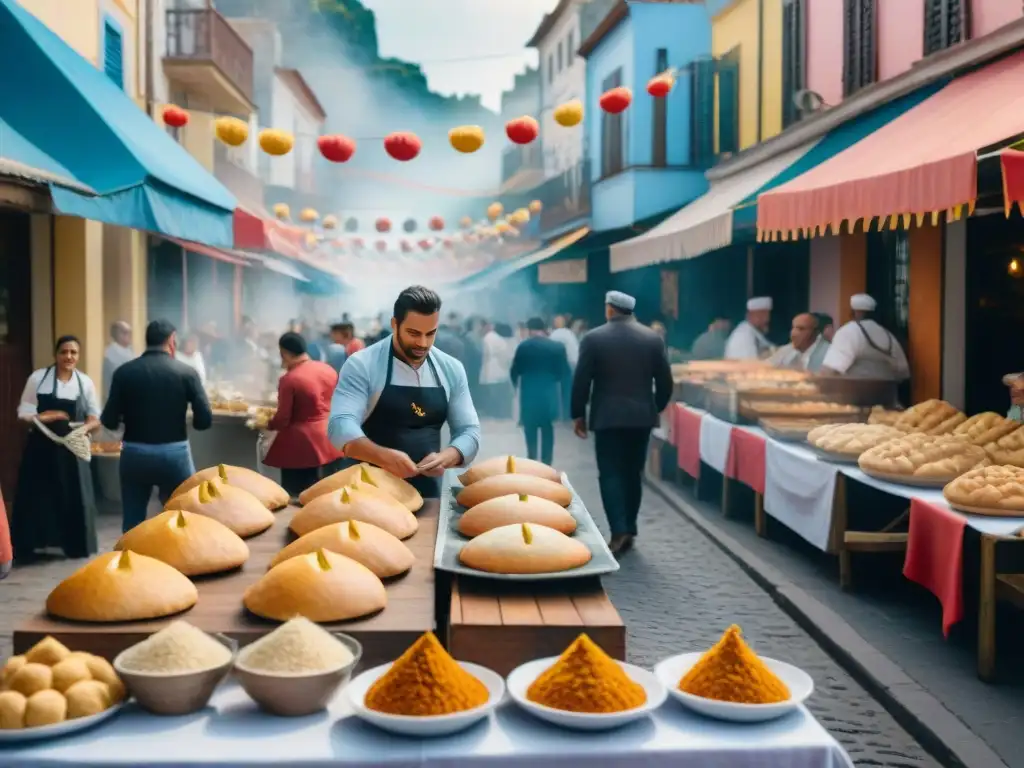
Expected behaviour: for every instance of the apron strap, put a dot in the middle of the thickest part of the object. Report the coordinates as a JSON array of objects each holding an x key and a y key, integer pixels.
[{"x": 871, "y": 342}]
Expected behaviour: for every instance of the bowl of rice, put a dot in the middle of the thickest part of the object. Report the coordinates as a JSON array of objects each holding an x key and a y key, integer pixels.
[
  {"x": 298, "y": 668},
  {"x": 176, "y": 670}
]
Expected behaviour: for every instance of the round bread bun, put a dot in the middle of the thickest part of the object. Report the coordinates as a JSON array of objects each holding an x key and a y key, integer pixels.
[
  {"x": 47, "y": 707},
  {"x": 121, "y": 586},
  {"x": 270, "y": 494},
  {"x": 195, "y": 545},
  {"x": 12, "y": 710},
  {"x": 511, "y": 465},
  {"x": 368, "y": 545},
  {"x": 229, "y": 505},
  {"x": 322, "y": 586},
  {"x": 48, "y": 651},
  {"x": 355, "y": 502},
  {"x": 395, "y": 487},
  {"x": 87, "y": 698},
  {"x": 524, "y": 548},
  {"x": 512, "y": 509},
  {"x": 504, "y": 485}
]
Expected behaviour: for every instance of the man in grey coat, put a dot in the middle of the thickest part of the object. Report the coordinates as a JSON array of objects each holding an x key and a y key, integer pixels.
[{"x": 624, "y": 374}]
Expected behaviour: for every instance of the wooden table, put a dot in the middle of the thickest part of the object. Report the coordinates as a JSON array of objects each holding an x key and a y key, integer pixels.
[
  {"x": 502, "y": 624},
  {"x": 410, "y": 611}
]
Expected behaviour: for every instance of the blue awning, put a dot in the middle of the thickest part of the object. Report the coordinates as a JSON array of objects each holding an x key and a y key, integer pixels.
[
  {"x": 62, "y": 115},
  {"x": 498, "y": 272}
]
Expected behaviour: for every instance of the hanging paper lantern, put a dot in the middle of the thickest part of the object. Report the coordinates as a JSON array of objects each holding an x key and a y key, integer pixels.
[
  {"x": 382, "y": 246},
  {"x": 276, "y": 143},
  {"x": 311, "y": 240},
  {"x": 502, "y": 227},
  {"x": 436, "y": 223},
  {"x": 659, "y": 86},
  {"x": 522, "y": 130},
  {"x": 231, "y": 130},
  {"x": 494, "y": 210},
  {"x": 569, "y": 114},
  {"x": 329, "y": 222},
  {"x": 282, "y": 211},
  {"x": 402, "y": 146},
  {"x": 519, "y": 217},
  {"x": 535, "y": 206},
  {"x": 338, "y": 244},
  {"x": 409, "y": 225},
  {"x": 351, "y": 224},
  {"x": 449, "y": 243},
  {"x": 357, "y": 243},
  {"x": 406, "y": 246},
  {"x": 616, "y": 100},
  {"x": 465, "y": 222},
  {"x": 383, "y": 224},
  {"x": 336, "y": 147},
  {"x": 308, "y": 215},
  {"x": 175, "y": 116},
  {"x": 466, "y": 138},
  {"x": 426, "y": 244}
]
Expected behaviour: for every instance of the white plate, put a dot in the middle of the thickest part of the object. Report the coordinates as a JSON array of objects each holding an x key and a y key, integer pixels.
[
  {"x": 522, "y": 678},
  {"x": 435, "y": 725},
  {"x": 800, "y": 685},
  {"x": 60, "y": 729}
]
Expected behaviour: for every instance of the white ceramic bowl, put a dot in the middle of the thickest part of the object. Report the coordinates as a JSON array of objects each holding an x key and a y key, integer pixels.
[
  {"x": 800, "y": 685},
  {"x": 431, "y": 725},
  {"x": 522, "y": 678}
]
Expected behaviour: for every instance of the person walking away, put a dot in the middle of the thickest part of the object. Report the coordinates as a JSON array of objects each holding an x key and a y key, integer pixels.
[
  {"x": 624, "y": 374},
  {"x": 55, "y": 504},
  {"x": 117, "y": 353},
  {"x": 189, "y": 354},
  {"x": 301, "y": 449},
  {"x": 539, "y": 371},
  {"x": 494, "y": 374},
  {"x": 710, "y": 345},
  {"x": 748, "y": 340},
  {"x": 562, "y": 334},
  {"x": 151, "y": 397},
  {"x": 337, "y": 351}
]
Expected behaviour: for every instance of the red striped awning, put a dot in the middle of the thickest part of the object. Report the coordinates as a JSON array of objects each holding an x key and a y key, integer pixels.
[
  {"x": 209, "y": 251},
  {"x": 259, "y": 233},
  {"x": 923, "y": 163},
  {"x": 1012, "y": 161}
]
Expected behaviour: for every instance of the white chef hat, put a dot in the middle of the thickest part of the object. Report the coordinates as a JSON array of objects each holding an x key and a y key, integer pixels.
[
  {"x": 759, "y": 303},
  {"x": 861, "y": 302},
  {"x": 620, "y": 300}
]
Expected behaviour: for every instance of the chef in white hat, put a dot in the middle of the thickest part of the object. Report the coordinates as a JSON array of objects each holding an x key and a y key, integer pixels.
[
  {"x": 748, "y": 340},
  {"x": 864, "y": 349}
]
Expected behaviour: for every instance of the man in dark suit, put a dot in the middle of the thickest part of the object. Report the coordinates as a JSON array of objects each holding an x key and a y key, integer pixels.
[
  {"x": 540, "y": 370},
  {"x": 624, "y": 373}
]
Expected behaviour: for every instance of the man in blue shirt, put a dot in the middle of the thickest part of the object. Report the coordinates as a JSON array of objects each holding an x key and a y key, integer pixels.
[{"x": 394, "y": 396}]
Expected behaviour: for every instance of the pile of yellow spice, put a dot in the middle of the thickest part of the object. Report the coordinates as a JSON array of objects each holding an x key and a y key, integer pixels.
[
  {"x": 731, "y": 671},
  {"x": 586, "y": 680}
]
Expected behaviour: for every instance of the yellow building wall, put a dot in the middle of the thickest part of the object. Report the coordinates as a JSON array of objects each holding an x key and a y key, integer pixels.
[
  {"x": 77, "y": 22},
  {"x": 78, "y": 288}
]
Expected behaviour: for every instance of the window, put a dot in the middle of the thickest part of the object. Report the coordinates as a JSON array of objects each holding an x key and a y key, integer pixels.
[
  {"x": 559, "y": 56},
  {"x": 859, "y": 58},
  {"x": 794, "y": 52},
  {"x": 728, "y": 70},
  {"x": 570, "y": 51},
  {"x": 946, "y": 23},
  {"x": 612, "y": 133},
  {"x": 113, "y": 52},
  {"x": 714, "y": 108},
  {"x": 660, "y": 117},
  {"x": 551, "y": 68}
]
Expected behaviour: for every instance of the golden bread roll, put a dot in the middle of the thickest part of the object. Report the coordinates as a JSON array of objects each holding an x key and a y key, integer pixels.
[
  {"x": 321, "y": 586},
  {"x": 524, "y": 548},
  {"x": 31, "y": 678},
  {"x": 923, "y": 456},
  {"x": 395, "y": 487},
  {"x": 195, "y": 545},
  {"x": 87, "y": 698},
  {"x": 997, "y": 488},
  {"x": 68, "y": 672},
  {"x": 47, "y": 707},
  {"x": 12, "y": 710},
  {"x": 121, "y": 586},
  {"x": 511, "y": 465},
  {"x": 504, "y": 485},
  {"x": 270, "y": 494},
  {"x": 103, "y": 670},
  {"x": 11, "y": 666},
  {"x": 368, "y": 545},
  {"x": 239, "y": 510},
  {"x": 48, "y": 651},
  {"x": 512, "y": 509},
  {"x": 356, "y": 503}
]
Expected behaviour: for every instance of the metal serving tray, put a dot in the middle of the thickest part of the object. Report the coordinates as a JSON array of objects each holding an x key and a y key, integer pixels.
[{"x": 450, "y": 541}]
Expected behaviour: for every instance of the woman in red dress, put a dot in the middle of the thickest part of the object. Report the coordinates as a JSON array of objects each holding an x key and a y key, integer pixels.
[{"x": 301, "y": 449}]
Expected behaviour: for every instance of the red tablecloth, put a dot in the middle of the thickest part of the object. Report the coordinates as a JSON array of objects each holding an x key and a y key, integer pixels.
[
  {"x": 745, "y": 461},
  {"x": 686, "y": 435},
  {"x": 935, "y": 553},
  {"x": 6, "y": 551}
]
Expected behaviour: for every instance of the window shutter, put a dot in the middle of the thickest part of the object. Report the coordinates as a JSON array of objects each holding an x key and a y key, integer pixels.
[
  {"x": 945, "y": 23},
  {"x": 702, "y": 113},
  {"x": 659, "y": 148},
  {"x": 113, "y": 54},
  {"x": 860, "y": 67},
  {"x": 866, "y": 43},
  {"x": 729, "y": 103},
  {"x": 793, "y": 53}
]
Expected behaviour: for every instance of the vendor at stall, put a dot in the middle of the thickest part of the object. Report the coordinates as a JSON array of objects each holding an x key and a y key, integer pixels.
[
  {"x": 807, "y": 347},
  {"x": 748, "y": 340},
  {"x": 864, "y": 349},
  {"x": 394, "y": 396}
]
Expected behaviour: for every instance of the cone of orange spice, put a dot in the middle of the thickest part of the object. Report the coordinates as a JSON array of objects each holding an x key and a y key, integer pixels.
[
  {"x": 731, "y": 671},
  {"x": 426, "y": 681},
  {"x": 586, "y": 679}
]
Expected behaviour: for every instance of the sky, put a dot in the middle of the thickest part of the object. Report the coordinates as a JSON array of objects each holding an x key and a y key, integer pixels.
[{"x": 464, "y": 46}]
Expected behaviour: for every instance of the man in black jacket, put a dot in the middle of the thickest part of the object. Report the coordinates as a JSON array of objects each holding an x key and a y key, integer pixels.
[
  {"x": 151, "y": 395},
  {"x": 623, "y": 371}
]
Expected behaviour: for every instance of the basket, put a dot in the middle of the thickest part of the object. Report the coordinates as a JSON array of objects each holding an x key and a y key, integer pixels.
[{"x": 76, "y": 441}]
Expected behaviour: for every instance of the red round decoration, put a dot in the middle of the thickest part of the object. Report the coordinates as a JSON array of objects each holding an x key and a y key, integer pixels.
[
  {"x": 616, "y": 100},
  {"x": 522, "y": 130},
  {"x": 381, "y": 246},
  {"x": 426, "y": 245},
  {"x": 406, "y": 246},
  {"x": 449, "y": 243},
  {"x": 176, "y": 117},
  {"x": 660, "y": 85},
  {"x": 357, "y": 243},
  {"x": 383, "y": 224},
  {"x": 402, "y": 146},
  {"x": 336, "y": 148},
  {"x": 436, "y": 223}
]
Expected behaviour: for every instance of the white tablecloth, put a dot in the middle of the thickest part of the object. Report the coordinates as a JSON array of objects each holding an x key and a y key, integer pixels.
[
  {"x": 798, "y": 491},
  {"x": 715, "y": 435},
  {"x": 237, "y": 735}
]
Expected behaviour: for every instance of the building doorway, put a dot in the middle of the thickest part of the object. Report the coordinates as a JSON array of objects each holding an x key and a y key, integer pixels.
[{"x": 15, "y": 339}]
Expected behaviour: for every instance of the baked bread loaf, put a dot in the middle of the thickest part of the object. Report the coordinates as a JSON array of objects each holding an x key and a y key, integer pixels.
[
  {"x": 851, "y": 439},
  {"x": 997, "y": 488},
  {"x": 524, "y": 548},
  {"x": 949, "y": 425},
  {"x": 229, "y": 505},
  {"x": 360, "y": 503},
  {"x": 368, "y": 474},
  {"x": 880, "y": 415},
  {"x": 517, "y": 485},
  {"x": 502, "y": 465},
  {"x": 367, "y": 544},
  {"x": 122, "y": 586},
  {"x": 986, "y": 428},
  {"x": 922, "y": 456},
  {"x": 1008, "y": 449},
  {"x": 926, "y": 416},
  {"x": 322, "y": 586},
  {"x": 513, "y": 509},
  {"x": 195, "y": 545},
  {"x": 270, "y": 494}
]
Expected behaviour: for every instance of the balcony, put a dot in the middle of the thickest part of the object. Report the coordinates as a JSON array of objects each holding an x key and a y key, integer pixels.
[
  {"x": 208, "y": 60},
  {"x": 566, "y": 198},
  {"x": 230, "y": 170},
  {"x": 522, "y": 167}
]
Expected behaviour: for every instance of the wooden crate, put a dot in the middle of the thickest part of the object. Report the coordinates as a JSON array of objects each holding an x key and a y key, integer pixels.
[
  {"x": 410, "y": 611},
  {"x": 502, "y": 624}
]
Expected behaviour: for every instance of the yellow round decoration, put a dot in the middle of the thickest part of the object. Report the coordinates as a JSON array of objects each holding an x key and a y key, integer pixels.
[
  {"x": 311, "y": 240},
  {"x": 519, "y": 217},
  {"x": 330, "y": 221},
  {"x": 502, "y": 227},
  {"x": 494, "y": 210},
  {"x": 282, "y": 211},
  {"x": 308, "y": 215},
  {"x": 275, "y": 142},
  {"x": 569, "y": 114},
  {"x": 466, "y": 138},
  {"x": 536, "y": 206},
  {"x": 231, "y": 130}
]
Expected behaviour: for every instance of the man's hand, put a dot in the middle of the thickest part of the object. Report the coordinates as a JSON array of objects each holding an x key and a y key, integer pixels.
[
  {"x": 398, "y": 463},
  {"x": 434, "y": 464},
  {"x": 48, "y": 417},
  {"x": 579, "y": 426}
]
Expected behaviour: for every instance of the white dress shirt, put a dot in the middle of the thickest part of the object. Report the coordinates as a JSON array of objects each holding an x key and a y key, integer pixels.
[
  {"x": 497, "y": 362},
  {"x": 746, "y": 343},
  {"x": 853, "y": 354},
  {"x": 567, "y": 339},
  {"x": 41, "y": 380},
  {"x": 114, "y": 356},
  {"x": 194, "y": 361}
]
